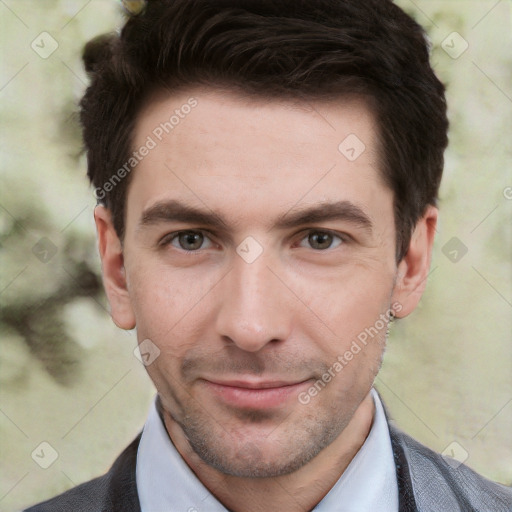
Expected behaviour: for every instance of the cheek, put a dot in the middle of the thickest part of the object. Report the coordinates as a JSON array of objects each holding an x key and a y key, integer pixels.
[
  {"x": 168, "y": 303},
  {"x": 346, "y": 304}
]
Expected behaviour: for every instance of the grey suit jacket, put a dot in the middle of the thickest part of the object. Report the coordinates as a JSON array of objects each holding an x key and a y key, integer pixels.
[{"x": 426, "y": 483}]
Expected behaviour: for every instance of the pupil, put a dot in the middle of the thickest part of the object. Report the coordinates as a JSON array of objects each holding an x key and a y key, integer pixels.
[
  {"x": 191, "y": 241},
  {"x": 322, "y": 239}
]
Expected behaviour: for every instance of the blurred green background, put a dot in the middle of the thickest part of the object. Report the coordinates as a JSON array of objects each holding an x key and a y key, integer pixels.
[{"x": 69, "y": 376}]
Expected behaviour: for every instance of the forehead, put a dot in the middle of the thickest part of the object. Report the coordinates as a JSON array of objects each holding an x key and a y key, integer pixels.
[{"x": 252, "y": 155}]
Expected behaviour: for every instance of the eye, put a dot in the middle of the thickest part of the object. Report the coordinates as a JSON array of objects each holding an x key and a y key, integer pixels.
[
  {"x": 189, "y": 241},
  {"x": 322, "y": 240}
]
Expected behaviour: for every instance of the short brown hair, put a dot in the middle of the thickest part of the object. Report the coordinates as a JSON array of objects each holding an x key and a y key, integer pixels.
[{"x": 305, "y": 49}]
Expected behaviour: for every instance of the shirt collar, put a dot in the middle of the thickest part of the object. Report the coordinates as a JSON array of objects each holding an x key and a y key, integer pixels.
[
  {"x": 166, "y": 482},
  {"x": 369, "y": 482}
]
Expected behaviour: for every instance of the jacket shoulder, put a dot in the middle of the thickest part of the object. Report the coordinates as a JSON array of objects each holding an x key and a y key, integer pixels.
[
  {"x": 89, "y": 496},
  {"x": 114, "y": 491},
  {"x": 444, "y": 485}
]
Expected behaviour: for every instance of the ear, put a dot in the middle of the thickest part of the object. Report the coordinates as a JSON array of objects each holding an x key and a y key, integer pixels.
[
  {"x": 112, "y": 265},
  {"x": 413, "y": 270}
]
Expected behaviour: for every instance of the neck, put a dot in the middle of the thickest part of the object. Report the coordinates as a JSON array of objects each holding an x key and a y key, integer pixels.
[{"x": 296, "y": 492}]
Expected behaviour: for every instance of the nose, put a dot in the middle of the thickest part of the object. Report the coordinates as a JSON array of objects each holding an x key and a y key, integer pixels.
[{"x": 255, "y": 306}]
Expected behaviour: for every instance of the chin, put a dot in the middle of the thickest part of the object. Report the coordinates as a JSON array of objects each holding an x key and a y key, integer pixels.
[{"x": 276, "y": 454}]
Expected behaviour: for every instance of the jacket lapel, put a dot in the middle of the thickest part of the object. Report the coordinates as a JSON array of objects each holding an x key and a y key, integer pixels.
[
  {"x": 406, "y": 501},
  {"x": 122, "y": 495}
]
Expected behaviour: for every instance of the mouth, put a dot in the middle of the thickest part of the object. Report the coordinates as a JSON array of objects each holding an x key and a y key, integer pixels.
[{"x": 254, "y": 394}]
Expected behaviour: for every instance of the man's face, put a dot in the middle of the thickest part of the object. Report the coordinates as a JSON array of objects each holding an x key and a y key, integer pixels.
[{"x": 251, "y": 312}]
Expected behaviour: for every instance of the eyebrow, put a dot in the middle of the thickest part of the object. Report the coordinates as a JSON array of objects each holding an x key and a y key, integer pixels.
[{"x": 176, "y": 211}]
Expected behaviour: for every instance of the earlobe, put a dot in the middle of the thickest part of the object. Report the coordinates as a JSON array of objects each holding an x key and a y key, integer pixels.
[
  {"x": 112, "y": 264},
  {"x": 414, "y": 268}
]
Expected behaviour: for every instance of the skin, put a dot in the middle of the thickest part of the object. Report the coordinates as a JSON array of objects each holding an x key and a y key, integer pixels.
[{"x": 287, "y": 315}]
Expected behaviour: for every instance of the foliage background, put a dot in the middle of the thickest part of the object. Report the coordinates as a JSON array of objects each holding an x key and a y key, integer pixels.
[{"x": 68, "y": 375}]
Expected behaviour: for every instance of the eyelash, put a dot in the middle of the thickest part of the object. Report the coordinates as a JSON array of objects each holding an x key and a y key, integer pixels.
[{"x": 168, "y": 239}]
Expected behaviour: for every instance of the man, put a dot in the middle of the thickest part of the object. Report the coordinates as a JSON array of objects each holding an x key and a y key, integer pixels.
[{"x": 267, "y": 175}]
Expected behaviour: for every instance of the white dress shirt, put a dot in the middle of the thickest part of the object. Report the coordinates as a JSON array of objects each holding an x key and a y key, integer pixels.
[{"x": 165, "y": 483}]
